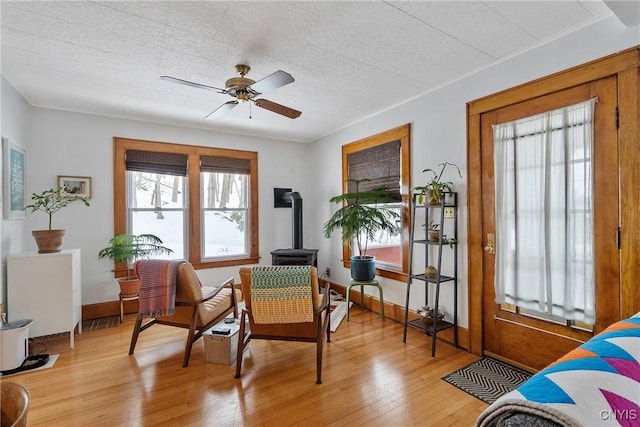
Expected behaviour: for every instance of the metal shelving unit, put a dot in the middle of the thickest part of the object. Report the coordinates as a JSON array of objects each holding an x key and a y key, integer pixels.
[{"x": 447, "y": 213}]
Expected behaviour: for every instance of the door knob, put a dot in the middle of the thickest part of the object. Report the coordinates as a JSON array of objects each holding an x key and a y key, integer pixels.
[{"x": 491, "y": 244}]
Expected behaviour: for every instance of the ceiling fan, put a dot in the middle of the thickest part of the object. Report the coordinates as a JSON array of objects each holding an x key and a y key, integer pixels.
[{"x": 244, "y": 89}]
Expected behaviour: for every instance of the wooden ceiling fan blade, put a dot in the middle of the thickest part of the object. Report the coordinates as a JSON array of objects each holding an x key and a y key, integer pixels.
[
  {"x": 192, "y": 84},
  {"x": 222, "y": 110},
  {"x": 277, "y": 108},
  {"x": 272, "y": 81}
]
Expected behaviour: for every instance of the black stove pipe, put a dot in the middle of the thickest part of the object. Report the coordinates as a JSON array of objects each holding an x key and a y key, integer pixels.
[{"x": 296, "y": 213}]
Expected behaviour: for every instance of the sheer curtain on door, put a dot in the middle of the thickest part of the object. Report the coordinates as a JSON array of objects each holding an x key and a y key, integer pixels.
[{"x": 544, "y": 213}]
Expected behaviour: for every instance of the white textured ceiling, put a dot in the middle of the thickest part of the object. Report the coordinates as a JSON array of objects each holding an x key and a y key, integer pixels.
[{"x": 350, "y": 60}]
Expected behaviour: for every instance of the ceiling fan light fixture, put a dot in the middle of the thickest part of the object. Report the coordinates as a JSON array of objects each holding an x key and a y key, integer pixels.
[{"x": 243, "y": 96}]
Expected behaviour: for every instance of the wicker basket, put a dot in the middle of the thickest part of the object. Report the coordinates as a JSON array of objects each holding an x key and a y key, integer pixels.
[{"x": 426, "y": 315}]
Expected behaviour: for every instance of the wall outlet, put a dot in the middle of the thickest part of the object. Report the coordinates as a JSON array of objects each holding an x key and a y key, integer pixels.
[
  {"x": 328, "y": 271},
  {"x": 449, "y": 212}
]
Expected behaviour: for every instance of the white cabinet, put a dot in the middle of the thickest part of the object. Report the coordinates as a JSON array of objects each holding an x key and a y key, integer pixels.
[{"x": 46, "y": 289}]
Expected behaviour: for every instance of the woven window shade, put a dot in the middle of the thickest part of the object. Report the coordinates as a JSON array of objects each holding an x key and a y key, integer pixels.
[
  {"x": 225, "y": 165},
  {"x": 380, "y": 164},
  {"x": 156, "y": 162}
]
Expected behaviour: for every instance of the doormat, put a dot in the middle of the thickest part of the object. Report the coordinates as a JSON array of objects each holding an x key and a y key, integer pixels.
[
  {"x": 101, "y": 323},
  {"x": 487, "y": 379},
  {"x": 338, "y": 311},
  {"x": 33, "y": 361}
]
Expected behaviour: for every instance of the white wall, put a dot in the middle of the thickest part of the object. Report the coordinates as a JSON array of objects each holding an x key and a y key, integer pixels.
[
  {"x": 15, "y": 122},
  {"x": 64, "y": 143},
  {"x": 438, "y": 134}
]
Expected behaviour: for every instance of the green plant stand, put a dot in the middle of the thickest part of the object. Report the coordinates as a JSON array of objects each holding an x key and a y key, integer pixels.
[{"x": 362, "y": 285}]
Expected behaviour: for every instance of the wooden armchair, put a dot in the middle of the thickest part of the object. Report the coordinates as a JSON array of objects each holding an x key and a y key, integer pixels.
[
  {"x": 14, "y": 404},
  {"x": 273, "y": 314},
  {"x": 197, "y": 307}
]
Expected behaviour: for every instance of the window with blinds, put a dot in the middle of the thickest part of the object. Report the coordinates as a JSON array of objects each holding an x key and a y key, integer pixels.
[
  {"x": 156, "y": 197},
  {"x": 201, "y": 201},
  {"x": 384, "y": 160},
  {"x": 224, "y": 187}
]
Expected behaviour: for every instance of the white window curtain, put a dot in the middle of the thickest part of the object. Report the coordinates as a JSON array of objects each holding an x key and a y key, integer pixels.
[{"x": 544, "y": 213}]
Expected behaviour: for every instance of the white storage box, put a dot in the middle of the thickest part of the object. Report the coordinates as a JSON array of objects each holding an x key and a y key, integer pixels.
[
  {"x": 14, "y": 338},
  {"x": 222, "y": 348}
]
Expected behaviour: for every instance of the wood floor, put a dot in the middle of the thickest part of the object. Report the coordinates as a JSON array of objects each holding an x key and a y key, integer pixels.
[{"x": 370, "y": 378}]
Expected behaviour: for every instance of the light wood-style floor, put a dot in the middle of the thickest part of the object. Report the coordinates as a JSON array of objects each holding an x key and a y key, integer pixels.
[{"x": 370, "y": 378}]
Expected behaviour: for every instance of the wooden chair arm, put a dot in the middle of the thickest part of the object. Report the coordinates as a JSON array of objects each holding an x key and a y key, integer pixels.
[{"x": 325, "y": 298}]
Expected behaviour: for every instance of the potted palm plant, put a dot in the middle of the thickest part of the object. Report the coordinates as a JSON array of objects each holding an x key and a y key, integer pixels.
[
  {"x": 51, "y": 201},
  {"x": 127, "y": 249},
  {"x": 359, "y": 219},
  {"x": 431, "y": 192}
]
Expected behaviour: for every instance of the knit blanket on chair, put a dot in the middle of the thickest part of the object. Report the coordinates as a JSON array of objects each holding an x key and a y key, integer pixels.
[
  {"x": 281, "y": 294},
  {"x": 157, "y": 287}
]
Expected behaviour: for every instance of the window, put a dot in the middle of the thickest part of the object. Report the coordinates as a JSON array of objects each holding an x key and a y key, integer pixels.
[
  {"x": 202, "y": 202},
  {"x": 157, "y": 206},
  {"x": 544, "y": 214},
  {"x": 225, "y": 209},
  {"x": 384, "y": 159},
  {"x": 156, "y": 197}
]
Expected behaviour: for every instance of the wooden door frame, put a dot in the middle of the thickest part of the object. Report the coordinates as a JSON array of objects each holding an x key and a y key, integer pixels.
[{"x": 626, "y": 66}]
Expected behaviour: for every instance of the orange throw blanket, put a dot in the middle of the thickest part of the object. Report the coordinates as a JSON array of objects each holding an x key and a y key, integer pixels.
[{"x": 157, "y": 287}]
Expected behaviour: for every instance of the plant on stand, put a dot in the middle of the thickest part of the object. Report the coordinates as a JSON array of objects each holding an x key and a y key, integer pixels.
[
  {"x": 126, "y": 249},
  {"x": 360, "y": 219},
  {"x": 51, "y": 201},
  {"x": 431, "y": 192}
]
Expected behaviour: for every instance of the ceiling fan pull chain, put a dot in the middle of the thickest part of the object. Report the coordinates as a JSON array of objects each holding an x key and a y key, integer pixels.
[{"x": 250, "y": 110}]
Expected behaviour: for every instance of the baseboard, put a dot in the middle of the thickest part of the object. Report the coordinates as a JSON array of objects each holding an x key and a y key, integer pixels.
[
  {"x": 396, "y": 313},
  {"x": 107, "y": 309}
]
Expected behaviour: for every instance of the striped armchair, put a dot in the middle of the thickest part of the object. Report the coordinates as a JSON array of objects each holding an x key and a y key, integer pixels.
[{"x": 284, "y": 303}]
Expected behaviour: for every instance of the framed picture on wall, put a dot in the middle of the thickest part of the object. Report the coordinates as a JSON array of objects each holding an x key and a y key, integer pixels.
[
  {"x": 76, "y": 185},
  {"x": 14, "y": 165}
]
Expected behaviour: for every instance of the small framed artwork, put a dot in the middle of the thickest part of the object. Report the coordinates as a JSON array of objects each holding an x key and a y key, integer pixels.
[
  {"x": 76, "y": 185},
  {"x": 15, "y": 179}
]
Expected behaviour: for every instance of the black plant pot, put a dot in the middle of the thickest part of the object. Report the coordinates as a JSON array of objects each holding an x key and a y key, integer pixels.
[{"x": 363, "y": 269}]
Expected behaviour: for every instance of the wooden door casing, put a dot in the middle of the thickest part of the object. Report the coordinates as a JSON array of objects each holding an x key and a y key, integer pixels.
[
  {"x": 626, "y": 66},
  {"x": 517, "y": 338}
]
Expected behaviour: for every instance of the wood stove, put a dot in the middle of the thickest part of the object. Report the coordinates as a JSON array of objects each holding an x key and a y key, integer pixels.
[{"x": 296, "y": 255}]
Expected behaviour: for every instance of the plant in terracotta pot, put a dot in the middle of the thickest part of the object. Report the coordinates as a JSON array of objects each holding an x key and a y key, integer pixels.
[
  {"x": 50, "y": 202},
  {"x": 127, "y": 249},
  {"x": 360, "y": 219},
  {"x": 432, "y": 191}
]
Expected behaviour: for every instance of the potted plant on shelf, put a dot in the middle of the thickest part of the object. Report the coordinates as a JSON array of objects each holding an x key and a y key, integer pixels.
[
  {"x": 127, "y": 249},
  {"x": 359, "y": 219},
  {"x": 51, "y": 201},
  {"x": 431, "y": 192},
  {"x": 433, "y": 232}
]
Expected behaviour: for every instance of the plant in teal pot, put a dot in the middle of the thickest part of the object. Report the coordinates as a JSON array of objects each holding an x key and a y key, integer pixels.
[{"x": 360, "y": 218}]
